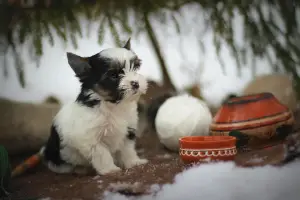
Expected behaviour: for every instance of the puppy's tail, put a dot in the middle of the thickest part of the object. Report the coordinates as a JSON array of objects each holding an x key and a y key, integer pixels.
[
  {"x": 29, "y": 163},
  {"x": 154, "y": 106}
]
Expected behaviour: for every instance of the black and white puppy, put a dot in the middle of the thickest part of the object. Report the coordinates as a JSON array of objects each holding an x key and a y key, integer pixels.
[{"x": 98, "y": 129}]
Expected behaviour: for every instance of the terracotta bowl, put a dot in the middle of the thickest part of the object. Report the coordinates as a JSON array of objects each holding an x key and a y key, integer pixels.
[
  {"x": 194, "y": 149},
  {"x": 257, "y": 116}
]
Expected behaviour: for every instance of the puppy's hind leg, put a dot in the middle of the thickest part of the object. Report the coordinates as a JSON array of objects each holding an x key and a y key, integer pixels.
[
  {"x": 103, "y": 161},
  {"x": 58, "y": 165},
  {"x": 60, "y": 169}
]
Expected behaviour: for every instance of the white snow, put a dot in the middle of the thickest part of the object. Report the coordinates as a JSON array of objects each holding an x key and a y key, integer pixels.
[{"x": 225, "y": 181}]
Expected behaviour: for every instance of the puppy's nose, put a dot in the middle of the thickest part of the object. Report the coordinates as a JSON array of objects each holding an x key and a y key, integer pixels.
[{"x": 134, "y": 85}]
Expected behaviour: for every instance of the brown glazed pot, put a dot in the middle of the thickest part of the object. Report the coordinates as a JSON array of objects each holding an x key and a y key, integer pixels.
[{"x": 257, "y": 116}]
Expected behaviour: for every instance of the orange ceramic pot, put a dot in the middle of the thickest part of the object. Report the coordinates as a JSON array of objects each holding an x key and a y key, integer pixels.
[
  {"x": 195, "y": 149},
  {"x": 257, "y": 116}
]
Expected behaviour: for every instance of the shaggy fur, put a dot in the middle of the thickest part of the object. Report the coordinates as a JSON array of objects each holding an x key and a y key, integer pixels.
[{"x": 98, "y": 129}]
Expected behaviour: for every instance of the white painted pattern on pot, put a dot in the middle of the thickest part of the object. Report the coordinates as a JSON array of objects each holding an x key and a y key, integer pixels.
[{"x": 209, "y": 152}]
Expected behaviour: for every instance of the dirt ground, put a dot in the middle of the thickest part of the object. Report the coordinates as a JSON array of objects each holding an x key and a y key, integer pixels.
[{"x": 162, "y": 167}]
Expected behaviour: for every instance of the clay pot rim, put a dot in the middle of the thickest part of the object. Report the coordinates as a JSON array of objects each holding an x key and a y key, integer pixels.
[
  {"x": 249, "y": 98},
  {"x": 216, "y": 140}
]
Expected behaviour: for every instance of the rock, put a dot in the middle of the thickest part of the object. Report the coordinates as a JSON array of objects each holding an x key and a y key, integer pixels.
[
  {"x": 25, "y": 127},
  {"x": 280, "y": 85}
]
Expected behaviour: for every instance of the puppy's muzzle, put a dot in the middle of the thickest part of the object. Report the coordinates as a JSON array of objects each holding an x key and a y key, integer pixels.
[{"x": 134, "y": 85}]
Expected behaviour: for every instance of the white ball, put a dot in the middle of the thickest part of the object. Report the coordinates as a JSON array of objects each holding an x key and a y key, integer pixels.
[{"x": 180, "y": 116}]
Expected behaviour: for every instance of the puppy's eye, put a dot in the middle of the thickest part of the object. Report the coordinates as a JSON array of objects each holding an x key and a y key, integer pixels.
[
  {"x": 137, "y": 64},
  {"x": 114, "y": 75}
]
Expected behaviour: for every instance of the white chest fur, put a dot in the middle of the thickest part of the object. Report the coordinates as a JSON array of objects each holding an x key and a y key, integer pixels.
[{"x": 84, "y": 127}]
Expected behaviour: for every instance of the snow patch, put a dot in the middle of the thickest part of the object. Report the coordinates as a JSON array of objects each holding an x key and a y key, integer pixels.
[{"x": 226, "y": 181}]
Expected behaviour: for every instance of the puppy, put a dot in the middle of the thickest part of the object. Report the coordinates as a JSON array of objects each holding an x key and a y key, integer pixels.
[{"x": 98, "y": 129}]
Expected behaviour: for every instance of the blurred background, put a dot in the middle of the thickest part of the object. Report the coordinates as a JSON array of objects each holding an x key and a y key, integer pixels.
[{"x": 218, "y": 45}]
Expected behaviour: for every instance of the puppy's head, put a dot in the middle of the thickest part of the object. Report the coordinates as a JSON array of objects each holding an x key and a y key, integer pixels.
[{"x": 111, "y": 74}]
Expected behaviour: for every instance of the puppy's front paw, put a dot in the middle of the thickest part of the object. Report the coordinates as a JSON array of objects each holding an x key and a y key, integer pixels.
[
  {"x": 135, "y": 162},
  {"x": 109, "y": 170}
]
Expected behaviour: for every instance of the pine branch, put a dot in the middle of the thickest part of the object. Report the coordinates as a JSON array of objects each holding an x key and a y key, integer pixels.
[
  {"x": 152, "y": 37},
  {"x": 262, "y": 33}
]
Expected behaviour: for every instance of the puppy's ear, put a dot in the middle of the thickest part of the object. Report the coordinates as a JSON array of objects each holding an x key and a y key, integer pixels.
[
  {"x": 128, "y": 44},
  {"x": 79, "y": 65}
]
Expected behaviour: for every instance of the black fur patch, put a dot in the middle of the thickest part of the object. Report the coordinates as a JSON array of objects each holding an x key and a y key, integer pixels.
[
  {"x": 131, "y": 133},
  {"x": 104, "y": 77},
  {"x": 52, "y": 148},
  {"x": 154, "y": 106},
  {"x": 86, "y": 99}
]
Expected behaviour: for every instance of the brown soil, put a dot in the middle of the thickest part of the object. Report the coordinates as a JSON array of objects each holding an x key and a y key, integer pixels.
[{"x": 162, "y": 167}]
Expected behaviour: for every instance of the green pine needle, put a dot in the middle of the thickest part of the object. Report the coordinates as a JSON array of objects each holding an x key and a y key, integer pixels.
[{"x": 5, "y": 172}]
